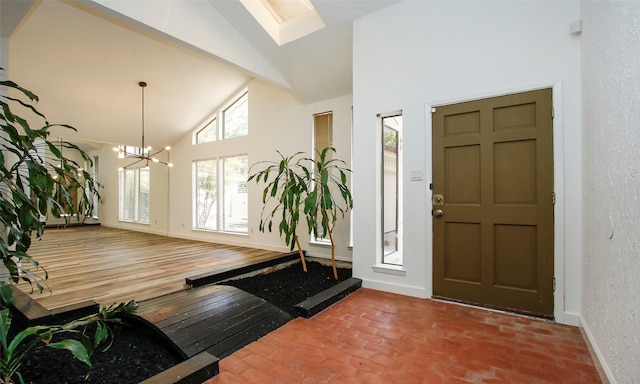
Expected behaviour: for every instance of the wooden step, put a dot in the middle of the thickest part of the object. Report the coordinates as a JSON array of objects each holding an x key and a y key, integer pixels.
[
  {"x": 29, "y": 312},
  {"x": 324, "y": 299},
  {"x": 195, "y": 370}
]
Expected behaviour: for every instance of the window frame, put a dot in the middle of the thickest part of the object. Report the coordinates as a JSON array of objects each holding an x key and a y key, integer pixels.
[
  {"x": 221, "y": 198},
  {"x": 387, "y": 258},
  {"x": 136, "y": 208},
  {"x": 213, "y": 120},
  {"x": 196, "y": 199},
  {"x": 219, "y": 117},
  {"x": 329, "y": 134},
  {"x": 242, "y": 97}
]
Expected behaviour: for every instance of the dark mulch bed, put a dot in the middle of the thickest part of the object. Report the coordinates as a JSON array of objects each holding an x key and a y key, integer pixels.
[
  {"x": 137, "y": 355},
  {"x": 134, "y": 356},
  {"x": 287, "y": 287}
]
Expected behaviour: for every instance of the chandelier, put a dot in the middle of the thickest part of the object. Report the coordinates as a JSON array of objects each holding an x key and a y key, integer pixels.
[{"x": 142, "y": 154}]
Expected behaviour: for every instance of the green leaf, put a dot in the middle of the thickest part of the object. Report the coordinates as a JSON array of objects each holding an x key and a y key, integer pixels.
[
  {"x": 19, "y": 338},
  {"x": 75, "y": 347},
  {"x": 6, "y": 293},
  {"x": 102, "y": 333}
]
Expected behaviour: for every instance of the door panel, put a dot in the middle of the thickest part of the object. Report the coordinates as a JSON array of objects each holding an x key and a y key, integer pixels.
[
  {"x": 462, "y": 168},
  {"x": 493, "y": 168}
]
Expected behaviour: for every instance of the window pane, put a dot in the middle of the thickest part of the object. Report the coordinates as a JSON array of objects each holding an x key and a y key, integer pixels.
[
  {"x": 390, "y": 197},
  {"x": 323, "y": 131},
  {"x": 143, "y": 195},
  {"x": 207, "y": 133},
  {"x": 234, "y": 217},
  {"x": 205, "y": 215},
  {"x": 127, "y": 178},
  {"x": 236, "y": 118}
]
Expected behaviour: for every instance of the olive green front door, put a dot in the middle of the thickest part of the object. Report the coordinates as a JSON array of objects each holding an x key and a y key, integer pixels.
[{"x": 493, "y": 202}]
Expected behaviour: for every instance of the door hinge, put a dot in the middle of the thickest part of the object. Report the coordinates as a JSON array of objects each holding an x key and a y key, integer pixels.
[
  {"x": 554, "y": 284},
  {"x": 553, "y": 198},
  {"x": 553, "y": 113}
]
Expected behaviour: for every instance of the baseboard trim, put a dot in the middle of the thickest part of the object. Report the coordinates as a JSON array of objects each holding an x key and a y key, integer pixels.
[
  {"x": 394, "y": 288},
  {"x": 598, "y": 359},
  {"x": 569, "y": 318}
]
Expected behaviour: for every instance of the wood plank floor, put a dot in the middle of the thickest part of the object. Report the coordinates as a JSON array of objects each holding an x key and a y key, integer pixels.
[{"x": 112, "y": 265}]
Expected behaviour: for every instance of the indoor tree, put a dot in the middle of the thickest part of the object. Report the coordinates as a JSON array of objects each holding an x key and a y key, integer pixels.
[
  {"x": 36, "y": 179},
  {"x": 304, "y": 187}
]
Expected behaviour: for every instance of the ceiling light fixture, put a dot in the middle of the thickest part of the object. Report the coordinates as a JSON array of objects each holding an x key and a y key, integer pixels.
[{"x": 143, "y": 153}]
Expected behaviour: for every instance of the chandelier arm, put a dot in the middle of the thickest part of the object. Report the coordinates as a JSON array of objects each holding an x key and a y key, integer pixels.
[
  {"x": 134, "y": 163},
  {"x": 155, "y": 153}
]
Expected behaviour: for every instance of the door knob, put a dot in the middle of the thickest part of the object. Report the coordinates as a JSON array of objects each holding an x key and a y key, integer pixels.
[{"x": 438, "y": 213}]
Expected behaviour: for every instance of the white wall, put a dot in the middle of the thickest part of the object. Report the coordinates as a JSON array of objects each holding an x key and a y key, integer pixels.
[
  {"x": 414, "y": 55},
  {"x": 611, "y": 121}
]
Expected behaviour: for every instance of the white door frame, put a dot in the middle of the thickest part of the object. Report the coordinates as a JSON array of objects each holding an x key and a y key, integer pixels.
[{"x": 558, "y": 186}]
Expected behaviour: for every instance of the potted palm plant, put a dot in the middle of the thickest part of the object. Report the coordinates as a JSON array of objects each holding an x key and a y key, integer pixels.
[{"x": 303, "y": 187}]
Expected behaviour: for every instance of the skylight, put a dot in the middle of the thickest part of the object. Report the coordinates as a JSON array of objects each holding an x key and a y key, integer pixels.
[{"x": 285, "y": 20}]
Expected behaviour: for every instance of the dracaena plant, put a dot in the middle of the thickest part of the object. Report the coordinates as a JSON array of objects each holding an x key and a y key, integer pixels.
[
  {"x": 38, "y": 177},
  {"x": 299, "y": 187},
  {"x": 13, "y": 350}
]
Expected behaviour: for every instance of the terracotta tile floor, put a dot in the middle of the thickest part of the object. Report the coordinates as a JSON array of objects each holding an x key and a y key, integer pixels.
[{"x": 379, "y": 337}]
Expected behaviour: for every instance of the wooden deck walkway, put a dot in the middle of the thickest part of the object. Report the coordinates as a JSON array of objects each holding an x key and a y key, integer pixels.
[
  {"x": 217, "y": 319},
  {"x": 112, "y": 265}
]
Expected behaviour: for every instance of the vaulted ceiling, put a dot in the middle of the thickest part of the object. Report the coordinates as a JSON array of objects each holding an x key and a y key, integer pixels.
[{"x": 85, "y": 59}]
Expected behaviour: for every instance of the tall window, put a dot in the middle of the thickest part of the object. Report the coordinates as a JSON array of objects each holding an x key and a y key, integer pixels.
[
  {"x": 322, "y": 131},
  {"x": 134, "y": 195},
  {"x": 322, "y": 138},
  {"x": 391, "y": 197},
  {"x": 234, "y": 195},
  {"x": 236, "y": 118},
  {"x": 226, "y": 194},
  {"x": 96, "y": 176},
  {"x": 205, "y": 199}
]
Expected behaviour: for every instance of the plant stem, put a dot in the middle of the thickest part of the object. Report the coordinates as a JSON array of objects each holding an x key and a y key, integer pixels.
[
  {"x": 304, "y": 263},
  {"x": 333, "y": 248}
]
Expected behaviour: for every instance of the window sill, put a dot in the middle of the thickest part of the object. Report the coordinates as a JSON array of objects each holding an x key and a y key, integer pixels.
[
  {"x": 133, "y": 222},
  {"x": 202, "y": 230},
  {"x": 326, "y": 244},
  {"x": 389, "y": 269}
]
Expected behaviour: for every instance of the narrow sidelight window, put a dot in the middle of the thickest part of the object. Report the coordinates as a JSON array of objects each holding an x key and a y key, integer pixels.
[
  {"x": 391, "y": 181},
  {"x": 322, "y": 138}
]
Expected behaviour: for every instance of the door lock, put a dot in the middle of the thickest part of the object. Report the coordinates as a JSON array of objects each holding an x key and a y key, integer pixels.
[{"x": 438, "y": 199}]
